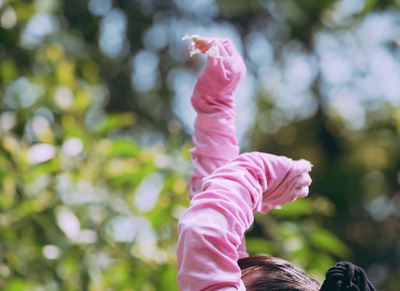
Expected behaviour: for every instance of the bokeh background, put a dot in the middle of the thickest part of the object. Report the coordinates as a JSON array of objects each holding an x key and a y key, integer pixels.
[{"x": 95, "y": 128}]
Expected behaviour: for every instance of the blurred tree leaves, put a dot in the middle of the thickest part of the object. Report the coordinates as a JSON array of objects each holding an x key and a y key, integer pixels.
[{"x": 94, "y": 158}]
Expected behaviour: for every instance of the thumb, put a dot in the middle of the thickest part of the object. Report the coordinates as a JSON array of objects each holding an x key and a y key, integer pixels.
[
  {"x": 302, "y": 180},
  {"x": 301, "y": 166}
]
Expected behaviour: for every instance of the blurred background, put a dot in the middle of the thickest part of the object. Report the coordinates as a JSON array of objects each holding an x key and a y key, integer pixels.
[{"x": 96, "y": 123}]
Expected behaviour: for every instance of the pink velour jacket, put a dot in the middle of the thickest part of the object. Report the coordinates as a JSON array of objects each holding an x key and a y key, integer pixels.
[{"x": 227, "y": 188}]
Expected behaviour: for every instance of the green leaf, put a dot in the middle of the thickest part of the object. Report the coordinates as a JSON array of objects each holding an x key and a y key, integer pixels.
[
  {"x": 296, "y": 209},
  {"x": 327, "y": 241},
  {"x": 114, "y": 121},
  {"x": 124, "y": 147},
  {"x": 168, "y": 278},
  {"x": 18, "y": 285},
  {"x": 258, "y": 246},
  {"x": 8, "y": 70},
  {"x": 369, "y": 5}
]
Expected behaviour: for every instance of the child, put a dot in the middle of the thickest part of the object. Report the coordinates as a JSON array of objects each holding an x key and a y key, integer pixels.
[{"x": 227, "y": 188}]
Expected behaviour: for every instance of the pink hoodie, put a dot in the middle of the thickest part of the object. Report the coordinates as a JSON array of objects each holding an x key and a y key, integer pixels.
[{"x": 226, "y": 189}]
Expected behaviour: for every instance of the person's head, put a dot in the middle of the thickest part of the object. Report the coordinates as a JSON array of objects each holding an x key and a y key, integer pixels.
[
  {"x": 273, "y": 274},
  {"x": 269, "y": 273}
]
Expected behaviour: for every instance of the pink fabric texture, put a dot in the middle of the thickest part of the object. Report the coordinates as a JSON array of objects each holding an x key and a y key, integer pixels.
[
  {"x": 226, "y": 189},
  {"x": 214, "y": 134},
  {"x": 211, "y": 229}
]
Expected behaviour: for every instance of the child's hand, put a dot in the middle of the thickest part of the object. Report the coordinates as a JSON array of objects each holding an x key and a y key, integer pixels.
[
  {"x": 203, "y": 45},
  {"x": 287, "y": 180},
  {"x": 281, "y": 179},
  {"x": 224, "y": 68}
]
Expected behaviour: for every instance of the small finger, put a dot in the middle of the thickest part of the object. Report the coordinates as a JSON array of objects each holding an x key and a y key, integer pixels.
[
  {"x": 303, "y": 180},
  {"x": 302, "y": 191},
  {"x": 302, "y": 166},
  {"x": 202, "y": 44}
]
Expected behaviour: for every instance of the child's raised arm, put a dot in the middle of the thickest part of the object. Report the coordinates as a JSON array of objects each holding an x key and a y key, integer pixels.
[{"x": 214, "y": 134}]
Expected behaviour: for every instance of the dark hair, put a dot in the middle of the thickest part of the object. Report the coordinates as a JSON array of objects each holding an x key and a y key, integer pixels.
[
  {"x": 274, "y": 274},
  {"x": 346, "y": 276}
]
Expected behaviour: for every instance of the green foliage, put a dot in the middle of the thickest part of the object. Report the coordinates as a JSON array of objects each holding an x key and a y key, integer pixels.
[{"x": 94, "y": 156}]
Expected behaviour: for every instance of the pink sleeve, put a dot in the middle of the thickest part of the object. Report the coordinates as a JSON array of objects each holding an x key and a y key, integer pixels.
[
  {"x": 211, "y": 229},
  {"x": 214, "y": 134}
]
